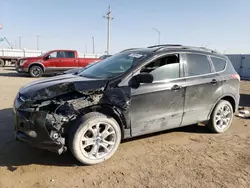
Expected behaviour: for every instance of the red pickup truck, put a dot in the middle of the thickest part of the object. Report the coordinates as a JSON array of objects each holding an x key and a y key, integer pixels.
[{"x": 52, "y": 61}]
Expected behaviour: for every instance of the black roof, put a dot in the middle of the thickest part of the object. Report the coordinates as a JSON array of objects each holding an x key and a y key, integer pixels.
[{"x": 176, "y": 47}]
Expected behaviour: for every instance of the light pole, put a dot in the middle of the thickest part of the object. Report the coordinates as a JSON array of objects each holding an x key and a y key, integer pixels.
[
  {"x": 20, "y": 42},
  {"x": 93, "y": 42},
  {"x": 159, "y": 35},
  {"x": 108, "y": 17},
  {"x": 37, "y": 42}
]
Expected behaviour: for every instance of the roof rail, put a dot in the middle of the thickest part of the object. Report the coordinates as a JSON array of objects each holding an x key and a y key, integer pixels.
[
  {"x": 128, "y": 49},
  {"x": 165, "y": 45},
  {"x": 161, "y": 47},
  {"x": 210, "y": 50}
]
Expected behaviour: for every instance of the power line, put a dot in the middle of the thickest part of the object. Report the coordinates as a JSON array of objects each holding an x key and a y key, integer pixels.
[
  {"x": 108, "y": 17},
  {"x": 8, "y": 42}
]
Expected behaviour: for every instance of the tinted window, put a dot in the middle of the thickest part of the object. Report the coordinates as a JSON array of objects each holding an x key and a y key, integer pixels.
[
  {"x": 69, "y": 54},
  {"x": 219, "y": 64},
  {"x": 60, "y": 54},
  {"x": 197, "y": 65},
  {"x": 164, "y": 68}
]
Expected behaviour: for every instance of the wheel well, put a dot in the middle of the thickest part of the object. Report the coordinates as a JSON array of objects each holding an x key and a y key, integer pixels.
[
  {"x": 111, "y": 112},
  {"x": 231, "y": 100},
  {"x": 36, "y": 65}
]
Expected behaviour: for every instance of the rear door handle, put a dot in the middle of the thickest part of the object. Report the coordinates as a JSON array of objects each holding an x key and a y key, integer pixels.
[
  {"x": 176, "y": 87},
  {"x": 214, "y": 82}
]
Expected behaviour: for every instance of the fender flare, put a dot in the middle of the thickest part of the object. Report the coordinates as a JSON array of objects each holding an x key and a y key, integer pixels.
[
  {"x": 36, "y": 63},
  {"x": 224, "y": 95}
]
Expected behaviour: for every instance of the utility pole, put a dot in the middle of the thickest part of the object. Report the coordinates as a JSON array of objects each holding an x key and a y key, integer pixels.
[
  {"x": 15, "y": 44},
  {"x": 159, "y": 35},
  {"x": 37, "y": 42},
  {"x": 93, "y": 40},
  {"x": 20, "y": 42},
  {"x": 86, "y": 48},
  {"x": 108, "y": 17}
]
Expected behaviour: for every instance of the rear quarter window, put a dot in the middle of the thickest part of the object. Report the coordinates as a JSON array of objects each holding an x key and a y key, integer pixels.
[{"x": 219, "y": 64}]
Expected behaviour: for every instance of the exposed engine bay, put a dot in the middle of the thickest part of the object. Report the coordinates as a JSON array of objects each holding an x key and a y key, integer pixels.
[{"x": 62, "y": 104}]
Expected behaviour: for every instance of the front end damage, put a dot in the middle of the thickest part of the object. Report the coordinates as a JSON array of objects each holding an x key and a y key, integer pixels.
[{"x": 45, "y": 118}]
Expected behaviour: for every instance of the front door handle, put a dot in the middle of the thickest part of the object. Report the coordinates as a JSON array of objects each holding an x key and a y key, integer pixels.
[
  {"x": 214, "y": 82},
  {"x": 176, "y": 87}
]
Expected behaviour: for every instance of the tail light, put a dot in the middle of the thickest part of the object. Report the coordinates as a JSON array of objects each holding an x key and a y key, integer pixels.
[{"x": 236, "y": 76}]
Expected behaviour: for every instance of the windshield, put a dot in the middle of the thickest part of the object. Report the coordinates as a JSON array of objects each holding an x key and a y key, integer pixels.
[{"x": 114, "y": 65}]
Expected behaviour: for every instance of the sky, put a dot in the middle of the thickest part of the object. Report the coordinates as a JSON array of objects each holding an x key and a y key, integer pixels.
[{"x": 223, "y": 25}]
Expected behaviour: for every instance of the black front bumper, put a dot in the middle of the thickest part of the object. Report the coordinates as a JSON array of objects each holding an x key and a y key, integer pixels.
[
  {"x": 23, "y": 137},
  {"x": 26, "y": 121}
]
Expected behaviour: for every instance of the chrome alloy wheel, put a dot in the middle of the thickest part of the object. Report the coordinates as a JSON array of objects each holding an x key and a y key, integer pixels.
[
  {"x": 223, "y": 117},
  {"x": 98, "y": 141}
]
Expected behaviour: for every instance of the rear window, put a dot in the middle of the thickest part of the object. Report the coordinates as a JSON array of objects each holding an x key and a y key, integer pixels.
[
  {"x": 69, "y": 54},
  {"x": 219, "y": 64},
  {"x": 197, "y": 65}
]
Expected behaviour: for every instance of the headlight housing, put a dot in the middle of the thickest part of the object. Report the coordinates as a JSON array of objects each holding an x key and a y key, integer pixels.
[{"x": 22, "y": 62}]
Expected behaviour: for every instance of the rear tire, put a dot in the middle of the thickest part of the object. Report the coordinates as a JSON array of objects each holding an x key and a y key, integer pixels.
[
  {"x": 221, "y": 118},
  {"x": 35, "y": 71},
  {"x": 95, "y": 138},
  {"x": 2, "y": 63}
]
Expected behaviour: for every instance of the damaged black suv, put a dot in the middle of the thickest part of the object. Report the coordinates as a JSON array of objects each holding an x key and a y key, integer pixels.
[{"x": 134, "y": 92}]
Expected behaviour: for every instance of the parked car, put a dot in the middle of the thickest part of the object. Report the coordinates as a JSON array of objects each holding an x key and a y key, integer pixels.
[
  {"x": 52, "y": 61},
  {"x": 132, "y": 93},
  {"x": 77, "y": 70}
]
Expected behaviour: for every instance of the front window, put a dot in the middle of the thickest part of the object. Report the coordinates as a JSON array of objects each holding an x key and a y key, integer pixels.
[
  {"x": 114, "y": 65},
  {"x": 53, "y": 55},
  {"x": 164, "y": 68}
]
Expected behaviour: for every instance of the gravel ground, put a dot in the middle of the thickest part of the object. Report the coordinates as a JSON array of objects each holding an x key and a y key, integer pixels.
[{"x": 185, "y": 157}]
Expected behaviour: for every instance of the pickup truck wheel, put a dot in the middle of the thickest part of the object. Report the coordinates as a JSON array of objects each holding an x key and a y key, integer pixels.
[
  {"x": 2, "y": 63},
  {"x": 221, "y": 118},
  {"x": 95, "y": 138},
  {"x": 35, "y": 71}
]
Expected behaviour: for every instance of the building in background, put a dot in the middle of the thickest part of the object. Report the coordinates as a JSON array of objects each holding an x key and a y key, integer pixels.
[{"x": 241, "y": 63}]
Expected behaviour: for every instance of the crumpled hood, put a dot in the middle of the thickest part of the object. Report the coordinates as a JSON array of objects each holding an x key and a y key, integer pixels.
[
  {"x": 58, "y": 85},
  {"x": 73, "y": 71}
]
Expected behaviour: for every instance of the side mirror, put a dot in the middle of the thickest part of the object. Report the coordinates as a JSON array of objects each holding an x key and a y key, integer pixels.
[
  {"x": 47, "y": 57},
  {"x": 140, "y": 78}
]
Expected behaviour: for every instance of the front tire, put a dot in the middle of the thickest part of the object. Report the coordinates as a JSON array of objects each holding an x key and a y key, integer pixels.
[
  {"x": 222, "y": 117},
  {"x": 35, "y": 71},
  {"x": 95, "y": 138}
]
